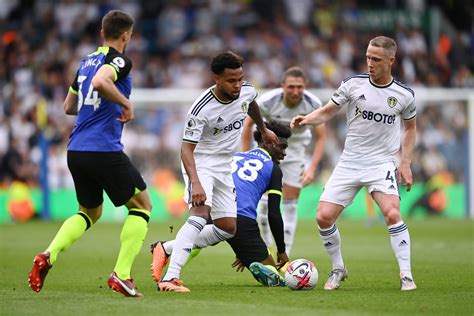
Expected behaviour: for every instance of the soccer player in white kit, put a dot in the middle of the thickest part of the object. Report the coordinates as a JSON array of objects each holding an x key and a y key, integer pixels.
[
  {"x": 376, "y": 106},
  {"x": 281, "y": 105},
  {"x": 210, "y": 138}
]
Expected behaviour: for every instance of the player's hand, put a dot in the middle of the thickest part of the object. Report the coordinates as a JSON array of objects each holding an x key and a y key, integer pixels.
[
  {"x": 269, "y": 137},
  {"x": 404, "y": 174},
  {"x": 238, "y": 265},
  {"x": 308, "y": 176},
  {"x": 126, "y": 114},
  {"x": 282, "y": 259},
  {"x": 198, "y": 195},
  {"x": 298, "y": 121}
]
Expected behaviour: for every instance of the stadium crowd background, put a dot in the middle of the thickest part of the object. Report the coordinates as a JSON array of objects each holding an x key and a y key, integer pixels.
[{"x": 42, "y": 43}]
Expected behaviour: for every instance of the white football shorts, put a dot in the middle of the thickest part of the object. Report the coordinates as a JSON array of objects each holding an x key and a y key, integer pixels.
[
  {"x": 345, "y": 183},
  {"x": 215, "y": 175},
  {"x": 292, "y": 172}
]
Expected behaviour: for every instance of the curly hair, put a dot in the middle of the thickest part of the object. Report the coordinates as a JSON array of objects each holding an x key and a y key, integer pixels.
[
  {"x": 226, "y": 60},
  {"x": 282, "y": 131}
]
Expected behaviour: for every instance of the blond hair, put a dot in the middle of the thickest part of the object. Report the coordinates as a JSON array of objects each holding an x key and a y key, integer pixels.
[{"x": 385, "y": 42}]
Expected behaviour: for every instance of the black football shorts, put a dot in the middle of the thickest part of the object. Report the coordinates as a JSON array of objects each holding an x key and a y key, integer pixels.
[
  {"x": 95, "y": 172},
  {"x": 247, "y": 243}
]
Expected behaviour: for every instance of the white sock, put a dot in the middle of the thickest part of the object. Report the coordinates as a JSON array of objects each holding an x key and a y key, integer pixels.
[
  {"x": 290, "y": 220},
  {"x": 183, "y": 244},
  {"x": 400, "y": 240},
  {"x": 262, "y": 219},
  {"x": 168, "y": 246},
  {"x": 211, "y": 235},
  {"x": 332, "y": 242}
]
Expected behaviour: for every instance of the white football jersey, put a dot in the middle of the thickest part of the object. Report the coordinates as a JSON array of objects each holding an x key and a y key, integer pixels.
[
  {"x": 216, "y": 126},
  {"x": 273, "y": 108},
  {"x": 374, "y": 116}
]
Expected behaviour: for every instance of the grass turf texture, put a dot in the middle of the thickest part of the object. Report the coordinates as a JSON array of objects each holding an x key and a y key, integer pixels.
[{"x": 442, "y": 260}]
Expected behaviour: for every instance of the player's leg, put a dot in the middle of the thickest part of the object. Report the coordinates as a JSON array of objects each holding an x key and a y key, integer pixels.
[
  {"x": 251, "y": 250},
  {"x": 399, "y": 236},
  {"x": 339, "y": 192},
  {"x": 89, "y": 195},
  {"x": 290, "y": 215},
  {"x": 125, "y": 186},
  {"x": 182, "y": 247}
]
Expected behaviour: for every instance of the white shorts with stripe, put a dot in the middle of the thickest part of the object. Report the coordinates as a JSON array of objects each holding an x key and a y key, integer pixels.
[
  {"x": 214, "y": 172},
  {"x": 345, "y": 183}
]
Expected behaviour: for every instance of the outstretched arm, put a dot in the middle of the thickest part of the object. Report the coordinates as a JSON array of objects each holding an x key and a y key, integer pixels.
[
  {"x": 247, "y": 134},
  {"x": 408, "y": 144},
  {"x": 268, "y": 136},
  {"x": 316, "y": 117}
]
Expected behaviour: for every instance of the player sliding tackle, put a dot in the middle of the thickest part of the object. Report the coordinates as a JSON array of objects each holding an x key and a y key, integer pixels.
[
  {"x": 377, "y": 103},
  {"x": 254, "y": 172}
]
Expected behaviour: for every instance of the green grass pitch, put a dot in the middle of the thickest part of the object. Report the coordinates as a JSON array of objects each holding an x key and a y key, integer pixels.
[{"x": 442, "y": 262}]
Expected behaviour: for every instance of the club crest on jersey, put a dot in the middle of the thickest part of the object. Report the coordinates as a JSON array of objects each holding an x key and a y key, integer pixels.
[
  {"x": 392, "y": 101},
  {"x": 245, "y": 107}
]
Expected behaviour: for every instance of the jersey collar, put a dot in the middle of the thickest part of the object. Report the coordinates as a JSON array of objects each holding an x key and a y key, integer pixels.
[
  {"x": 265, "y": 152},
  {"x": 379, "y": 86}
]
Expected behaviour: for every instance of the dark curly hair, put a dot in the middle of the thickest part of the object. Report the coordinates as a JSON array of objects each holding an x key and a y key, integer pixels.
[
  {"x": 226, "y": 60},
  {"x": 282, "y": 131}
]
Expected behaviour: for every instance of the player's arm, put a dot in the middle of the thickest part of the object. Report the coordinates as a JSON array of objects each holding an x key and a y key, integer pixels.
[
  {"x": 318, "y": 151},
  {"x": 408, "y": 144},
  {"x": 70, "y": 103},
  {"x": 318, "y": 116},
  {"x": 274, "y": 214},
  {"x": 268, "y": 136},
  {"x": 198, "y": 195},
  {"x": 247, "y": 134},
  {"x": 103, "y": 82}
]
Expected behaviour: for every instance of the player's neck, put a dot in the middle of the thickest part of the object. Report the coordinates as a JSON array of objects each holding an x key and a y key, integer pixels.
[
  {"x": 382, "y": 81},
  {"x": 118, "y": 45},
  {"x": 220, "y": 95}
]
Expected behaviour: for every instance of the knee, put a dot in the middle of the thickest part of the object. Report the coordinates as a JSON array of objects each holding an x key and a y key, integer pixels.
[
  {"x": 324, "y": 218},
  {"x": 392, "y": 215},
  {"x": 229, "y": 226},
  {"x": 94, "y": 214}
]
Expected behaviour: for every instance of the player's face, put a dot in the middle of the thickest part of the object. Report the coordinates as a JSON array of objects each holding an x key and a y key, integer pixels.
[
  {"x": 278, "y": 152},
  {"x": 229, "y": 83},
  {"x": 379, "y": 64},
  {"x": 293, "y": 89}
]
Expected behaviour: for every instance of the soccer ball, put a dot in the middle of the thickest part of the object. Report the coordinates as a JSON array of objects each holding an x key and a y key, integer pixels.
[{"x": 301, "y": 274}]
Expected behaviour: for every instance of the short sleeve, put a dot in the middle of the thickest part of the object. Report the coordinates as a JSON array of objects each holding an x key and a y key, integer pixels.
[
  {"x": 193, "y": 129},
  {"x": 275, "y": 185},
  {"x": 74, "y": 88},
  {"x": 341, "y": 95},
  {"x": 120, "y": 64},
  {"x": 410, "y": 111}
]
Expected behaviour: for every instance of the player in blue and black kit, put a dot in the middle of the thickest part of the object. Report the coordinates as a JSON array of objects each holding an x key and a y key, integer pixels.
[
  {"x": 254, "y": 173},
  {"x": 99, "y": 96}
]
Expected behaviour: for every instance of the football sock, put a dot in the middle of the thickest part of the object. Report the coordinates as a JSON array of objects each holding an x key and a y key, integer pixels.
[
  {"x": 131, "y": 240},
  {"x": 400, "y": 240},
  {"x": 211, "y": 235},
  {"x": 71, "y": 230},
  {"x": 168, "y": 246},
  {"x": 290, "y": 220},
  {"x": 183, "y": 245},
  {"x": 332, "y": 242},
  {"x": 262, "y": 219}
]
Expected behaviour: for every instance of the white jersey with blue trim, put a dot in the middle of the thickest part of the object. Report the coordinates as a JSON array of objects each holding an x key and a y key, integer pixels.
[
  {"x": 374, "y": 116},
  {"x": 273, "y": 107},
  {"x": 216, "y": 126}
]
